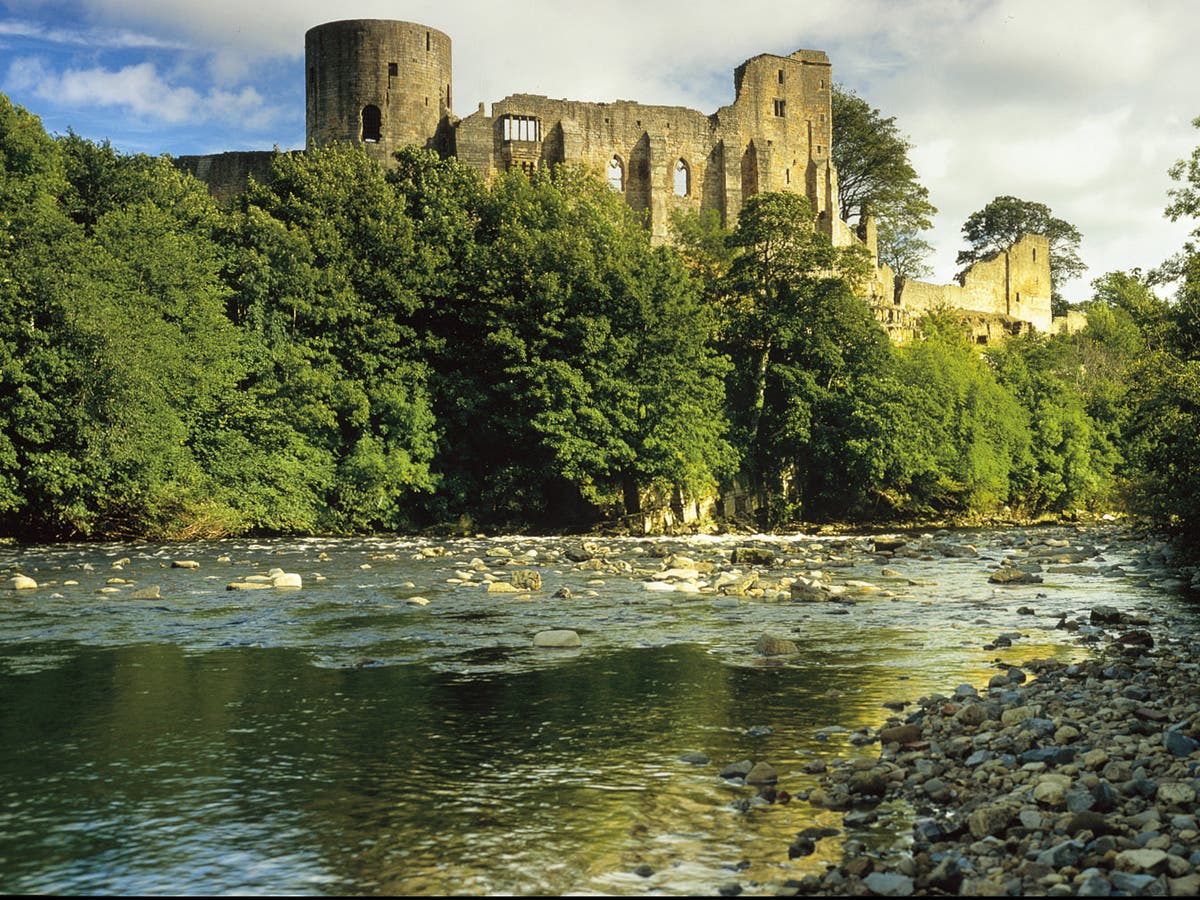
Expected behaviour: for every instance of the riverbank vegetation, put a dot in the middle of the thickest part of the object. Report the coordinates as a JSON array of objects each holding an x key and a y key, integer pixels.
[{"x": 349, "y": 349}]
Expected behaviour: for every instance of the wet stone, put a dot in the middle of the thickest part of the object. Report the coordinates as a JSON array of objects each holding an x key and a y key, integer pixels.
[
  {"x": 900, "y": 734},
  {"x": 889, "y": 884},
  {"x": 752, "y": 556},
  {"x": 1011, "y": 575},
  {"x": 526, "y": 580},
  {"x": 1136, "y": 885},
  {"x": 762, "y": 773},
  {"x": 557, "y": 638},
  {"x": 737, "y": 769},
  {"x": 1180, "y": 744}
]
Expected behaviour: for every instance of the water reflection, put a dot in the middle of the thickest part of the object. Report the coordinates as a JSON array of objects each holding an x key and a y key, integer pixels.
[
  {"x": 336, "y": 739},
  {"x": 149, "y": 769}
]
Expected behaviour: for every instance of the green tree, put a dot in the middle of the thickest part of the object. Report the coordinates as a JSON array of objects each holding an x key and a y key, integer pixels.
[
  {"x": 35, "y": 368},
  {"x": 328, "y": 281},
  {"x": 1164, "y": 382},
  {"x": 966, "y": 436},
  {"x": 121, "y": 347},
  {"x": 1185, "y": 197},
  {"x": 798, "y": 338},
  {"x": 1164, "y": 445},
  {"x": 583, "y": 359},
  {"x": 875, "y": 176},
  {"x": 1001, "y": 223},
  {"x": 703, "y": 243},
  {"x": 1073, "y": 455}
]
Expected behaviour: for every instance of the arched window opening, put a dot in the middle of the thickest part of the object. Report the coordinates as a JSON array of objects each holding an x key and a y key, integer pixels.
[
  {"x": 372, "y": 124},
  {"x": 683, "y": 179},
  {"x": 616, "y": 174}
]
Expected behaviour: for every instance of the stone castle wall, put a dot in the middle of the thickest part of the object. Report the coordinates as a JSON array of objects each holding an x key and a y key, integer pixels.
[
  {"x": 775, "y": 136},
  {"x": 1005, "y": 293},
  {"x": 228, "y": 174},
  {"x": 383, "y": 85},
  {"x": 377, "y": 83}
]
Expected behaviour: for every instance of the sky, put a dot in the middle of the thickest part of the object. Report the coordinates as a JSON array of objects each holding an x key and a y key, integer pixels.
[{"x": 1082, "y": 105}]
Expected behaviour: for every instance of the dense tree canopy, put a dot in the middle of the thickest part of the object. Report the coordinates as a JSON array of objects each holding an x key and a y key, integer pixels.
[{"x": 349, "y": 348}]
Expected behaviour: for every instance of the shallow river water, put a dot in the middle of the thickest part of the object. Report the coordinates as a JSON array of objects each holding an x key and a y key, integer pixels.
[{"x": 344, "y": 737}]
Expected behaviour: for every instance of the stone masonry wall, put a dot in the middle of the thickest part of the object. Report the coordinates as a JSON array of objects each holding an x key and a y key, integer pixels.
[
  {"x": 228, "y": 174},
  {"x": 774, "y": 137},
  {"x": 1008, "y": 291},
  {"x": 377, "y": 83},
  {"x": 383, "y": 85}
]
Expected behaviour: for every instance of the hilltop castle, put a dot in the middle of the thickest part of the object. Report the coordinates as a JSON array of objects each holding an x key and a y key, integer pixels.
[{"x": 384, "y": 84}]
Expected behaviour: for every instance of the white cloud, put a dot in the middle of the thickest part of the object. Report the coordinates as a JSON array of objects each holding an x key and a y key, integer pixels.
[
  {"x": 139, "y": 90},
  {"x": 93, "y": 38}
]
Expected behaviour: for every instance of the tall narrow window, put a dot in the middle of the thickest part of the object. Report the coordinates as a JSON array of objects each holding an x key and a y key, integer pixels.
[
  {"x": 1035, "y": 254},
  {"x": 372, "y": 124},
  {"x": 781, "y": 76},
  {"x": 683, "y": 179},
  {"x": 750, "y": 170},
  {"x": 428, "y": 43},
  {"x": 616, "y": 174},
  {"x": 780, "y": 107},
  {"x": 522, "y": 128},
  {"x": 393, "y": 70}
]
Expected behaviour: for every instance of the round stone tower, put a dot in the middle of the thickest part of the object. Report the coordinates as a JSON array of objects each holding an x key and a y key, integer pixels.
[{"x": 379, "y": 83}]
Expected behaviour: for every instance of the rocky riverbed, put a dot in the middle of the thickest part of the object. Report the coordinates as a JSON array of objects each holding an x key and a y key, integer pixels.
[
  {"x": 609, "y": 715},
  {"x": 1054, "y": 778}
]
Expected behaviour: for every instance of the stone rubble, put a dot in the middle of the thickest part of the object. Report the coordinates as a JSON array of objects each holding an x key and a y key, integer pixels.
[{"x": 1081, "y": 781}]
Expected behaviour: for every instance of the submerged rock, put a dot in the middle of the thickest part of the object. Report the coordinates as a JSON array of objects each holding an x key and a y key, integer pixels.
[
  {"x": 767, "y": 645},
  {"x": 1011, "y": 575},
  {"x": 557, "y": 638},
  {"x": 752, "y": 556}
]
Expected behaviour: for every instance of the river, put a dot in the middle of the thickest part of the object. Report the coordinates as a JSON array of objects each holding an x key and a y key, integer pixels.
[{"x": 390, "y": 727}]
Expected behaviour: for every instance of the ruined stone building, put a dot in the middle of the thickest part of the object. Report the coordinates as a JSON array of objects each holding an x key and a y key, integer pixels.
[{"x": 384, "y": 84}]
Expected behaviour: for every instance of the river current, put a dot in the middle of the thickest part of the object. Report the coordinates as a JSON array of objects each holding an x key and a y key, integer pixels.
[{"x": 390, "y": 726}]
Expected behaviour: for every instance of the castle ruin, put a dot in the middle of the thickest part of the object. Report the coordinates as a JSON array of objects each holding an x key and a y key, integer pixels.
[{"x": 383, "y": 85}]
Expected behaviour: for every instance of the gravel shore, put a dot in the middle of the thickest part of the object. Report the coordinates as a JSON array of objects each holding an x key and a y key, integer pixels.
[{"x": 1054, "y": 780}]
